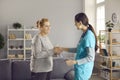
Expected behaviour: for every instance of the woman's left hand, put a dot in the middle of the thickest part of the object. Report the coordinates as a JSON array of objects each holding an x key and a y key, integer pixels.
[{"x": 70, "y": 62}]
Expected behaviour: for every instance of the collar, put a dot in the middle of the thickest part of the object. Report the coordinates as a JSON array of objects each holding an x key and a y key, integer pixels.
[{"x": 84, "y": 33}]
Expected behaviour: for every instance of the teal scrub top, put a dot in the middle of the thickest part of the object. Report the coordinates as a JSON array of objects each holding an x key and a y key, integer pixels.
[{"x": 84, "y": 71}]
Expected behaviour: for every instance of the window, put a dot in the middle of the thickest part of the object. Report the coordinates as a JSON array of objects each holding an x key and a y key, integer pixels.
[
  {"x": 100, "y": 15},
  {"x": 99, "y": 1}
]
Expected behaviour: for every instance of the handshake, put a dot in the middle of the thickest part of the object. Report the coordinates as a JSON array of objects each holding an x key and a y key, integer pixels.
[{"x": 57, "y": 50}]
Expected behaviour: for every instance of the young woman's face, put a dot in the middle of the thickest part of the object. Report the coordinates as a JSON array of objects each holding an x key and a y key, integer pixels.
[
  {"x": 78, "y": 25},
  {"x": 45, "y": 28}
]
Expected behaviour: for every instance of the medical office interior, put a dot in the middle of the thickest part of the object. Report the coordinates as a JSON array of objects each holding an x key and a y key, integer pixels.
[{"x": 15, "y": 42}]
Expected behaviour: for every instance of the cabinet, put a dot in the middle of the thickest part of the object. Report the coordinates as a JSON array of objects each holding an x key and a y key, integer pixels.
[
  {"x": 19, "y": 42},
  {"x": 109, "y": 43}
]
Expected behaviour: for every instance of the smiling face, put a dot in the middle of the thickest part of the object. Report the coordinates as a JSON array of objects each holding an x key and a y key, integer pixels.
[
  {"x": 45, "y": 28},
  {"x": 81, "y": 21},
  {"x": 78, "y": 25}
]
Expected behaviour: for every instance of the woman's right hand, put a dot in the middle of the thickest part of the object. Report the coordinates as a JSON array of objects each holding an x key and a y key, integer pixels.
[{"x": 57, "y": 50}]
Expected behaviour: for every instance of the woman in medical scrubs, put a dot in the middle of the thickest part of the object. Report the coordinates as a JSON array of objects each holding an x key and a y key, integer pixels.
[{"x": 85, "y": 51}]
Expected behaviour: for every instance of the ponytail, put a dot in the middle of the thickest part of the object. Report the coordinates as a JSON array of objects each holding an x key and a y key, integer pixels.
[{"x": 91, "y": 28}]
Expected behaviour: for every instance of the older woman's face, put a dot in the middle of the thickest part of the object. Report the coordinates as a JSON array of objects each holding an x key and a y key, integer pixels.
[{"x": 45, "y": 28}]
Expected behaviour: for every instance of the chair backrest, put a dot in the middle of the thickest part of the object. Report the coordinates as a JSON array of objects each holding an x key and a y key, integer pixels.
[{"x": 21, "y": 70}]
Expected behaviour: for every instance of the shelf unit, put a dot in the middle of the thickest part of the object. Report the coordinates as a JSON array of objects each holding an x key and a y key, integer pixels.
[
  {"x": 19, "y": 42},
  {"x": 110, "y": 63}
]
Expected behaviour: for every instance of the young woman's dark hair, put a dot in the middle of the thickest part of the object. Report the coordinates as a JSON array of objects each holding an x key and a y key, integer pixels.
[{"x": 84, "y": 19}]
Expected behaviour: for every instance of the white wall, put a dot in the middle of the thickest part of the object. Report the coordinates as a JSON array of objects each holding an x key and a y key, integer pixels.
[
  {"x": 112, "y": 6},
  {"x": 89, "y": 9},
  {"x": 60, "y": 13}
]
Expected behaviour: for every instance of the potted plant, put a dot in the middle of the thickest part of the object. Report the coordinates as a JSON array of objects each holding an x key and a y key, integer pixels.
[
  {"x": 101, "y": 38},
  {"x": 110, "y": 25},
  {"x": 17, "y": 25},
  {"x": 2, "y": 43}
]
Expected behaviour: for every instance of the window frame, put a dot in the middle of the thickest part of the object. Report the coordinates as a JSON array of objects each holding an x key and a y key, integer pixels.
[{"x": 99, "y": 5}]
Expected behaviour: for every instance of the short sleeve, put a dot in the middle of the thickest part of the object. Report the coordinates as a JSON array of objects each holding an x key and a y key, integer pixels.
[{"x": 90, "y": 40}]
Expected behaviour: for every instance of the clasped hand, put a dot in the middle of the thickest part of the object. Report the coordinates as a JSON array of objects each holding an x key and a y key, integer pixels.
[
  {"x": 71, "y": 62},
  {"x": 57, "y": 50}
]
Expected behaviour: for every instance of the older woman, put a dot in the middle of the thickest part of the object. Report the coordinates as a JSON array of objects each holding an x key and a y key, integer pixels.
[{"x": 42, "y": 52}]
